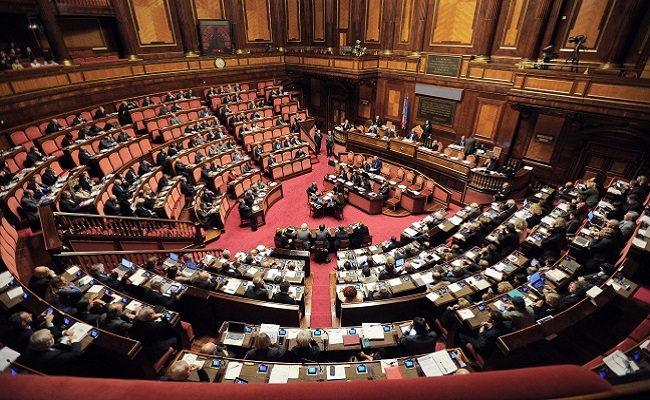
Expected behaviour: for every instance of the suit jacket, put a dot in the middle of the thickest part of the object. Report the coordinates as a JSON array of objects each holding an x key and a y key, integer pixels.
[
  {"x": 158, "y": 299},
  {"x": 256, "y": 293},
  {"x": 419, "y": 344},
  {"x": 111, "y": 208},
  {"x": 39, "y": 285},
  {"x": 299, "y": 354},
  {"x": 283, "y": 298},
  {"x": 470, "y": 145},
  {"x": 67, "y": 205},
  {"x": 153, "y": 336},
  {"x": 273, "y": 353},
  {"x": 84, "y": 157},
  {"x": 54, "y": 361}
]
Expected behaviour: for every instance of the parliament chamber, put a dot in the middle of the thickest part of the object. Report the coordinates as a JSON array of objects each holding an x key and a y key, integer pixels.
[{"x": 477, "y": 198}]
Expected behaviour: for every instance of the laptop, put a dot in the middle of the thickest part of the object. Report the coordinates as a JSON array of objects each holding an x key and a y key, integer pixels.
[
  {"x": 537, "y": 281},
  {"x": 235, "y": 333},
  {"x": 171, "y": 261},
  {"x": 399, "y": 262}
]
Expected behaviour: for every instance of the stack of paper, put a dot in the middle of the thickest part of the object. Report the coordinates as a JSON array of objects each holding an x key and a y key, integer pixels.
[
  {"x": 234, "y": 369},
  {"x": 232, "y": 286},
  {"x": 373, "y": 330},
  {"x": 271, "y": 330},
  {"x": 192, "y": 360}
]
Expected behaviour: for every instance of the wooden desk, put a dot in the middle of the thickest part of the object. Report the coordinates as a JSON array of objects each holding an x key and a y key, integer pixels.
[{"x": 403, "y": 147}]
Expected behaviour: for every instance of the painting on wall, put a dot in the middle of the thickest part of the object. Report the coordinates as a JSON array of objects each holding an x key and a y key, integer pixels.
[{"x": 215, "y": 37}]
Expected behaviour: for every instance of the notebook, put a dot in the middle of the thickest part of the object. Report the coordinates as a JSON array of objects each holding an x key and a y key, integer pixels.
[{"x": 351, "y": 340}]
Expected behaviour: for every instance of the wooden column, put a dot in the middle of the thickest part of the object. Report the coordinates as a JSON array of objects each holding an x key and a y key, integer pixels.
[
  {"x": 126, "y": 29},
  {"x": 388, "y": 21},
  {"x": 53, "y": 32},
  {"x": 278, "y": 24},
  {"x": 235, "y": 13},
  {"x": 331, "y": 22},
  {"x": 534, "y": 37},
  {"x": 617, "y": 46},
  {"x": 420, "y": 16},
  {"x": 357, "y": 17},
  {"x": 188, "y": 28},
  {"x": 487, "y": 26}
]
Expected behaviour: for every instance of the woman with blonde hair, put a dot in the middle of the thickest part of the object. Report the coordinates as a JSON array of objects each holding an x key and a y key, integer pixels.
[
  {"x": 62, "y": 294},
  {"x": 264, "y": 349}
]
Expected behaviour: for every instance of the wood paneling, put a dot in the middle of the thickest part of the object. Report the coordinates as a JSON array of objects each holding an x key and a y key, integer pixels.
[
  {"x": 153, "y": 22},
  {"x": 344, "y": 14},
  {"x": 453, "y": 22},
  {"x": 31, "y": 85},
  {"x": 319, "y": 20},
  {"x": 373, "y": 20},
  {"x": 514, "y": 23},
  {"x": 590, "y": 18},
  {"x": 258, "y": 20},
  {"x": 314, "y": 92},
  {"x": 393, "y": 105},
  {"x": 405, "y": 20},
  {"x": 209, "y": 9},
  {"x": 488, "y": 116},
  {"x": 546, "y": 125},
  {"x": 82, "y": 33},
  {"x": 293, "y": 20}
]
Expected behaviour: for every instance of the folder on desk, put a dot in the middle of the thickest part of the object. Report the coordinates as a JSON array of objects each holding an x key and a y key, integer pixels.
[
  {"x": 394, "y": 373},
  {"x": 351, "y": 340}
]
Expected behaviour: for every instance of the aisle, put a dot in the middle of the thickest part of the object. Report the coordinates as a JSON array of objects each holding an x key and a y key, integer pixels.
[{"x": 293, "y": 209}]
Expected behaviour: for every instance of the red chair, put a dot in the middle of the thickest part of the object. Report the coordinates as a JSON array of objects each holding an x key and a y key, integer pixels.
[
  {"x": 395, "y": 201},
  {"x": 162, "y": 361}
]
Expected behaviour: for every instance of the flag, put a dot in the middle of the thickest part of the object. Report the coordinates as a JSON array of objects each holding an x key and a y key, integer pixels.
[{"x": 405, "y": 112}]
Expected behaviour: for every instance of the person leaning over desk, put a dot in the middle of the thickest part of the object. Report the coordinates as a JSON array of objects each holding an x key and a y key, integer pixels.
[{"x": 418, "y": 339}]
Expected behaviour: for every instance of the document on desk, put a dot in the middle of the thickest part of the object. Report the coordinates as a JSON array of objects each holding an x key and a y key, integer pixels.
[
  {"x": 620, "y": 364},
  {"x": 454, "y": 287},
  {"x": 232, "y": 286},
  {"x": 252, "y": 271},
  {"x": 279, "y": 374},
  {"x": 410, "y": 232},
  {"x": 192, "y": 359},
  {"x": 15, "y": 292},
  {"x": 444, "y": 361},
  {"x": 80, "y": 331},
  {"x": 7, "y": 356},
  {"x": 428, "y": 366},
  {"x": 335, "y": 336},
  {"x": 273, "y": 273},
  {"x": 372, "y": 330},
  {"x": 133, "y": 305},
  {"x": 466, "y": 313},
  {"x": 456, "y": 220},
  {"x": 95, "y": 289},
  {"x": 271, "y": 330},
  {"x": 72, "y": 270},
  {"x": 427, "y": 277},
  {"x": 339, "y": 373},
  {"x": 395, "y": 282},
  {"x": 138, "y": 278},
  {"x": 292, "y": 333},
  {"x": 234, "y": 369},
  {"x": 5, "y": 278},
  {"x": 494, "y": 274},
  {"x": 481, "y": 284},
  {"x": 433, "y": 296}
]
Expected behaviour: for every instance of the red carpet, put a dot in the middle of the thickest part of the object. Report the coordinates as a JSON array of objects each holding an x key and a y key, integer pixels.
[{"x": 294, "y": 210}]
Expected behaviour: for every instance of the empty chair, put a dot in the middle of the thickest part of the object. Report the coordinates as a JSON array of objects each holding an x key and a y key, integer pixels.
[{"x": 394, "y": 201}]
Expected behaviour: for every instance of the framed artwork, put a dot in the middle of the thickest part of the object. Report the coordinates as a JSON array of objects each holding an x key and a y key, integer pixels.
[{"x": 215, "y": 36}]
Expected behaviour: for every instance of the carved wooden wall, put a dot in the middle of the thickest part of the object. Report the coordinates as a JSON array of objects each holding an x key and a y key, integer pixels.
[{"x": 209, "y": 9}]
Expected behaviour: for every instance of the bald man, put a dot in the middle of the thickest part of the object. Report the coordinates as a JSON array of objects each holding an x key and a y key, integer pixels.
[
  {"x": 180, "y": 372},
  {"x": 40, "y": 280},
  {"x": 215, "y": 350}
]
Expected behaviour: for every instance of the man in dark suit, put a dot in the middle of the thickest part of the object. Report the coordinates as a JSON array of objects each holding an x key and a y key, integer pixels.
[
  {"x": 341, "y": 234},
  {"x": 503, "y": 193},
  {"x": 40, "y": 280},
  {"x": 53, "y": 126},
  {"x": 84, "y": 156},
  {"x": 112, "y": 280},
  {"x": 115, "y": 320},
  {"x": 507, "y": 241},
  {"x": 256, "y": 290},
  {"x": 418, "y": 339},
  {"x": 44, "y": 357},
  {"x": 283, "y": 295},
  {"x": 377, "y": 121},
  {"x": 21, "y": 327},
  {"x": 376, "y": 165},
  {"x": 180, "y": 372},
  {"x": 413, "y": 135},
  {"x": 318, "y": 140},
  {"x": 154, "y": 294},
  {"x": 142, "y": 211},
  {"x": 33, "y": 156},
  {"x": 470, "y": 145},
  {"x": 67, "y": 204},
  {"x": 485, "y": 341},
  {"x": 30, "y": 208},
  {"x": 155, "y": 336}
]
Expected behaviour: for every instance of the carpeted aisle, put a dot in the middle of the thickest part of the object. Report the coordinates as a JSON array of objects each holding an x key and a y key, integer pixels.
[{"x": 294, "y": 210}]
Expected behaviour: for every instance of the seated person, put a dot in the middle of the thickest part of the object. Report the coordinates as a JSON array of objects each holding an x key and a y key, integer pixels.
[
  {"x": 22, "y": 325},
  {"x": 116, "y": 320},
  {"x": 549, "y": 305},
  {"x": 45, "y": 356},
  {"x": 503, "y": 193},
  {"x": 155, "y": 336},
  {"x": 264, "y": 350},
  {"x": 485, "y": 341},
  {"x": 257, "y": 290},
  {"x": 180, "y": 372},
  {"x": 306, "y": 348},
  {"x": 62, "y": 294},
  {"x": 350, "y": 294},
  {"x": 283, "y": 295},
  {"x": 40, "y": 280},
  {"x": 418, "y": 339},
  {"x": 312, "y": 190},
  {"x": 518, "y": 313},
  {"x": 304, "y": 234},
  {"x": 112, "y": 280},
  {"x": 154, "y": 294},
  {"x": 87, "y": 310}
]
